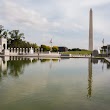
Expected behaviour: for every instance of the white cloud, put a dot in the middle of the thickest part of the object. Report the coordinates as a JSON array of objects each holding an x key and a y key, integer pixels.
[
  {"x": 91, "y": 3},
  {"x": 17, "y": 14},
  {"x": 66, "y": 20}
]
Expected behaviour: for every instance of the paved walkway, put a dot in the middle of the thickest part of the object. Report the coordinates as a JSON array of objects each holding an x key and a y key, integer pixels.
[{"x": 107, "y": 59}]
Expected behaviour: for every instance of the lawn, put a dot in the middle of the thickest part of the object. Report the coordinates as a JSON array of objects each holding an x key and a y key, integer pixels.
[{"x": 77, "y": 52}]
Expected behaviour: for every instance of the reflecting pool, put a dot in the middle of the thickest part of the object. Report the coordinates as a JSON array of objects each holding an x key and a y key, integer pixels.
[{"x": 54, "y": 84}]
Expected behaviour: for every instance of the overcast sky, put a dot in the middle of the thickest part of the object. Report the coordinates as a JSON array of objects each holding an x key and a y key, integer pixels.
[{"x": 65, "y": 21}]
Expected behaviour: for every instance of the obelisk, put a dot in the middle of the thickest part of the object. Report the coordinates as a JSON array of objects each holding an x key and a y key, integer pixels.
[{"x": 91, "y": 30}]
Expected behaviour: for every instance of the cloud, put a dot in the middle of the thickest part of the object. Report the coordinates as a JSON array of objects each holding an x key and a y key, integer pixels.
[
  {"x": 16, "y": 14},
  {"x": 67, "y": 21},
  {"x": 92, "y": 3}
]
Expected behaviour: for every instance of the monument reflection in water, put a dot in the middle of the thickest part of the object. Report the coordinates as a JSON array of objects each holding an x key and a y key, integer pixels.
[
  {"x": 90, "y": 72},
  {"x": 89, "y": 78},
  {"x": 14, "y": 66},
  {"x": 53, "y": 83}
]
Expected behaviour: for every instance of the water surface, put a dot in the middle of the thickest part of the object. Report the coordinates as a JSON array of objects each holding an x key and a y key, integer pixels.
[{"x": 54, "y": 84}]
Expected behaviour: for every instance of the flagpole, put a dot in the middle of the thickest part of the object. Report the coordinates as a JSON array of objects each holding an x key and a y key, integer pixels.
[
  {"x": 103, "y": 45},
  {"x": 51, "y": 44}
]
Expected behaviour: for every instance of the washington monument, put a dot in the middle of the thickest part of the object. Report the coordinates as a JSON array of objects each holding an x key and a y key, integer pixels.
[{"x": 90, "y": 31}]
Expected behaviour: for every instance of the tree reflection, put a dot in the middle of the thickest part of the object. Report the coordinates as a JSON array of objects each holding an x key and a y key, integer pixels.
[
  {"x": 44, "y": 60},
  {"x": 55, "y": 60},
  {"x": 15, "y": 66},
  {"x": 48, "y": 60},
  {"x": 0, "y": 73},
  {"x": 34, "y": 60},
  {"x": 108, "y": 65}
]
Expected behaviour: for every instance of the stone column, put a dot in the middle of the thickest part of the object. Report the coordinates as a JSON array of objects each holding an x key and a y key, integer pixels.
[
  {"x": 26, "y": 50},
  {"x": 20, "y": 50},
  {"x": 23, "y": 50},
  {"x": 91, "y": 31},
  {"x": 11, "y": 49},
  {"x": 14, "y": 50},
  {"x": 17, "y": 50}
]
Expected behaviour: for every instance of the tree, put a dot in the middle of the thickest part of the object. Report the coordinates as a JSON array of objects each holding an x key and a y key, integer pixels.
[
  {"x": 55, "y": 49},
  {"x": 15, "y": 35},
  {"x": 76, "y": 49},
  {"x": 45, "y": 48},
  {"x": 104, "y": 48},
  {"x": 15, "y": 39},
  {"x": 34, "y": 45},
  {"x": 3, "y": 32},
  {"x": 48, "y": 48}
]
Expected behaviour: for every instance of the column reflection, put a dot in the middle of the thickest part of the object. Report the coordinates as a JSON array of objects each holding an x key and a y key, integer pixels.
[{"x": 89, "y": 78}]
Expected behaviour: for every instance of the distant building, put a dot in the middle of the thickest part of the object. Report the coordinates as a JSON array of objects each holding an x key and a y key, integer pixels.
[
  {"x": 62, "y": 49},
  {"x": 95, "y": 53},
  {"x": 108, "y": 49}
]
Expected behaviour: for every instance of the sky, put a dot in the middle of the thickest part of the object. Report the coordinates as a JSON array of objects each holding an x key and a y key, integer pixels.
[{"x": 66, "y": 22}]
